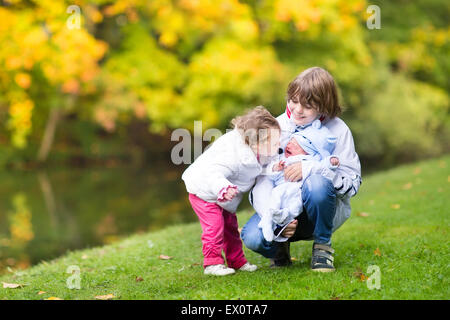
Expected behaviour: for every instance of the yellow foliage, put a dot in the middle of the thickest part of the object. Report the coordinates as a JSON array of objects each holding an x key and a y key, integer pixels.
[
  {"x": 20, "y": 121},
  {"x": 21, "y": 228},
  {"x": 23, "y": 80}
]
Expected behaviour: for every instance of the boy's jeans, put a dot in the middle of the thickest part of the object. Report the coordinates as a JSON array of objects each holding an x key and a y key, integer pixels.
[{"x": 316, "y": 220}]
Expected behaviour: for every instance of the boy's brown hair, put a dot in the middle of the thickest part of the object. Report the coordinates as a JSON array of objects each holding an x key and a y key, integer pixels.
[
  {"x": 315, "y": 88},
  {"x": 255, "y": 124}
]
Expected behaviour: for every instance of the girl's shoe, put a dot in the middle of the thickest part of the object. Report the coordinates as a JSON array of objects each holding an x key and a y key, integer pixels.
[
  {"x": 248, "y": 267},
  {"x": 218, "y": 270}
]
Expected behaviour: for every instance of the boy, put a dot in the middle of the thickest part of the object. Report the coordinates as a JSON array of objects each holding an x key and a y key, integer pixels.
[{"x": 325, "y": 193}]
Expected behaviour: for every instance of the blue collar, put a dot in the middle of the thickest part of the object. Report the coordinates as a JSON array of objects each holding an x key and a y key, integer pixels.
[{"x": 302, "y": 126}]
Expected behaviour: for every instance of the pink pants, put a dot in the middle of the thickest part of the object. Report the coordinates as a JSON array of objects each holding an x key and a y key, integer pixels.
[{"x": 220, "y": 232}]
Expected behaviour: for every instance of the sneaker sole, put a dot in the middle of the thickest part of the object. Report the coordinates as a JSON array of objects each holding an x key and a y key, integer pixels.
[
  {"x": 323, "y": 270},
  {"x": 219, "y": 275}
]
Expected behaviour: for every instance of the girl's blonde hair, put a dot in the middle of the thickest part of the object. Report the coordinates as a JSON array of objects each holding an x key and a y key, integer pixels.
[{"x": 255, "y": 125}]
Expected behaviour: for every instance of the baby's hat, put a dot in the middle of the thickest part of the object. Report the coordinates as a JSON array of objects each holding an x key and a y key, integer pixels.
[{"x": 316, "y": 139}]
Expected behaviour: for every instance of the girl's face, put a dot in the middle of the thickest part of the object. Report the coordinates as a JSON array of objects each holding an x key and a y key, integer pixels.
[
  {"x": 270, "y": 147},
  {"x": 302, "y": 115}
]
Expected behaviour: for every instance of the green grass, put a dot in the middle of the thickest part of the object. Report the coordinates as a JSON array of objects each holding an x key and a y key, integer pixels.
[{"x": 408, "y": 221}]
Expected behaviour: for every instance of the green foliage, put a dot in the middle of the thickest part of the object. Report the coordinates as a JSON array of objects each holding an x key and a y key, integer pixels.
[{"x": 172, "y": 62}]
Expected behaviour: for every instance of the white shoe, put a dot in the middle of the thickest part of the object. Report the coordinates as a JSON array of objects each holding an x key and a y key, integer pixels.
[
  {"x": 248, "y": 267},
  {"x": 218, "y": 270}
]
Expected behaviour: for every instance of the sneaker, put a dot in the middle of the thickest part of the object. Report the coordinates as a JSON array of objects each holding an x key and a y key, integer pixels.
[
  {"x": 248, "y": 267},
  {"x": 282, "y": 256},
  {"x": 322, "y": 258},
  {"x": 218, "y": 270}
]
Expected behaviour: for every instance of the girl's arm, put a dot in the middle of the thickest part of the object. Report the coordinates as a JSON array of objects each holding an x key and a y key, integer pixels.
[{"x": 215, "y": 177}]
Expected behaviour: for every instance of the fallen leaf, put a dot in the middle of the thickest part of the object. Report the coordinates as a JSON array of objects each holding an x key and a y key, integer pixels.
[
  {"x": 139, "y": 279},
  {"x": 105, "y": 297},
  {"x": 395, "y": 206},
  {"x": 54, "y": 298},
  {"x": 84, "y": 256},
  {"x": 407, "y": 186},
  {"x": 377, "y": 252},
  {"x": 417, "y": 170},
  {"x": 41, "y": 292},
  {"x": 360, "y": 275},
  {"x": 163, "y": 257},
  {"x": 293, "y": 259},
  {"x": 12, "y": 285},
  {"x": 362, "y": 214}
]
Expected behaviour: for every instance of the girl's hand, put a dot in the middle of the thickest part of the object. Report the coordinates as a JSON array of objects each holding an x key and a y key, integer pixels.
[
  {"x": 279, "y": 166},
  {"x": 293, "y": 172},
  {"x": 230, "y": 194}
]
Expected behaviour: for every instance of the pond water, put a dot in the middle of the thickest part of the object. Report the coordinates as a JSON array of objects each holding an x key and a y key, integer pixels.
[{"x": 45, "y": 213}]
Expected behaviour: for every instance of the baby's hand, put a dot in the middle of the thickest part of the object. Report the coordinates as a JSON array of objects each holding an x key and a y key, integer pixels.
[
  {"x": 279, "y": 166},
  {"x": 230, "y": 194},
  {"x": 334, "y": 161}
]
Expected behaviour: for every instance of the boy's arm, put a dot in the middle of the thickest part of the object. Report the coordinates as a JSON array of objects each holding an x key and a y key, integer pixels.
[
  {"x": 323, "y": 167},
  {"x": 346, "y": 177}
]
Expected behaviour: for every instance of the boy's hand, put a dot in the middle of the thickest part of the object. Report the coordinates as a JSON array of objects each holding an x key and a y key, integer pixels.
[
  {"x": 230, "y": 194},
  {"x": 293, "y": 172},
  {"x": 334, "y": 161},
  {"x": 279, "y": 166},
  {"x": 290, "y": 229}
]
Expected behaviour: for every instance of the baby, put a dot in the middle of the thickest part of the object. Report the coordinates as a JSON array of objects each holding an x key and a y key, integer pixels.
[{"x": 314, "y": 145}]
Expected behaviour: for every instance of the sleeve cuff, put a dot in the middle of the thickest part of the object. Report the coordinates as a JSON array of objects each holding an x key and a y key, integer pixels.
[{"x": 223, "y": 191}]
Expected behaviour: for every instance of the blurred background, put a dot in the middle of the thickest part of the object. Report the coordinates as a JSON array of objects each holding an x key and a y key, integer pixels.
[{"x": 90, "y": 92}]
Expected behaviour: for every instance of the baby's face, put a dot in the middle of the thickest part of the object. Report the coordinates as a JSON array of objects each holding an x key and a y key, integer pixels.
[{"x": 293, "y": 148}]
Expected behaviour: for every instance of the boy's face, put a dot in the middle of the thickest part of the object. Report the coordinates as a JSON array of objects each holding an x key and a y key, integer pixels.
[
  {"x": 302, "y": 115},
  {"x": 293, "y": 148}
]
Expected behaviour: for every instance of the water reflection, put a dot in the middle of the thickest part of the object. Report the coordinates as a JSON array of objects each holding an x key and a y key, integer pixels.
[{"x": 43, "y": 214}]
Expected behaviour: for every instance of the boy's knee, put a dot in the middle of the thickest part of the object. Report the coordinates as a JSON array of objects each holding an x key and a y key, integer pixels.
[
  {"x": 317, "y": 189},
  {"x": 252, "y": 238}
]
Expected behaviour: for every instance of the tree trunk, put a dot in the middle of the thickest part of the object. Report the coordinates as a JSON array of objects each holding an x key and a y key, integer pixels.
[{"x": 49, "y": 134}]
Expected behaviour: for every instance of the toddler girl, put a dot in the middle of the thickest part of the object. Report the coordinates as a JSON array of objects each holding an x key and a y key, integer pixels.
[{"x": 217, "y": 180}]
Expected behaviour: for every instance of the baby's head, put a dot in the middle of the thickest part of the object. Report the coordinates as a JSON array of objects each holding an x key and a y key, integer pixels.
[
  {"x": 260, "y": 131},
  {"x": 293, "y": 148},
  {"x": 312, "y": 140}
]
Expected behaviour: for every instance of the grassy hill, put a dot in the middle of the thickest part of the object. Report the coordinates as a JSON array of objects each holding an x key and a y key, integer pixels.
[{"x": 400, "y": 223}]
